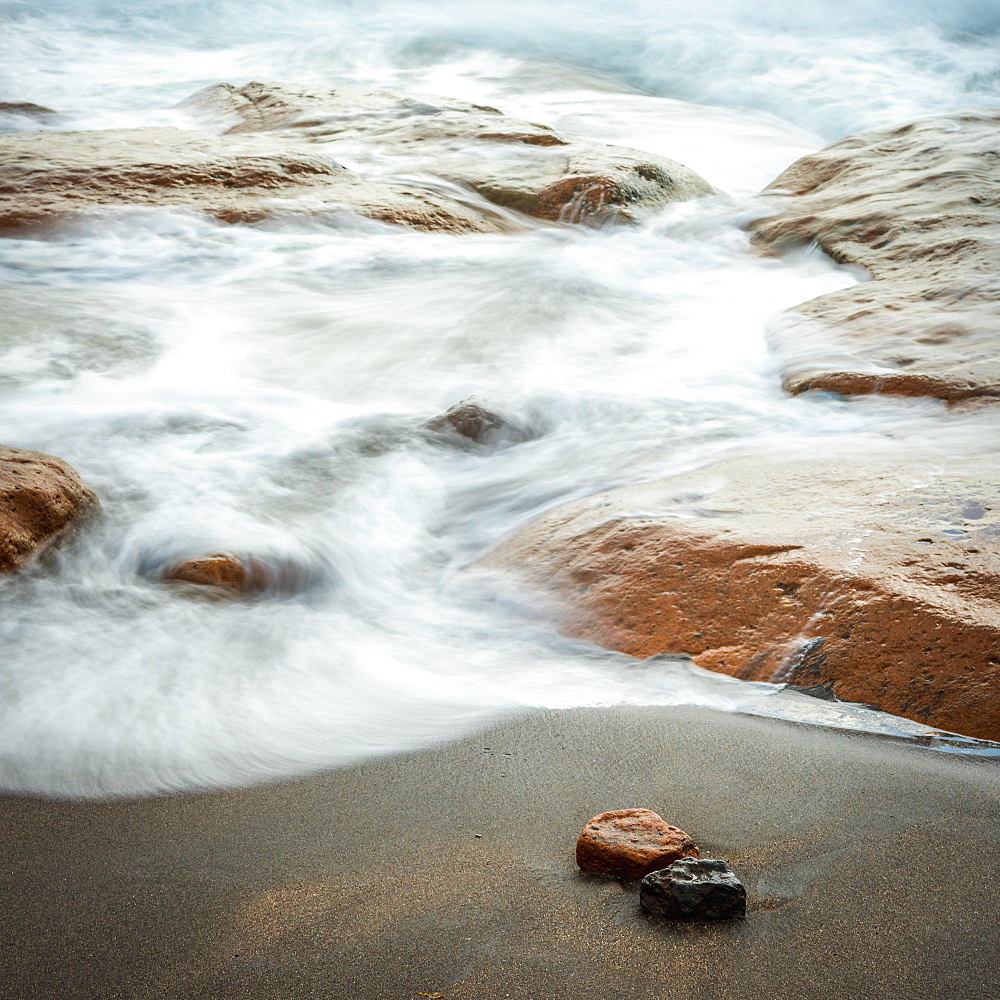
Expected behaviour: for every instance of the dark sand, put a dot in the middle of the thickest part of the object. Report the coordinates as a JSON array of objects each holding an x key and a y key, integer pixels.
[{"x": 872, "y": 868}]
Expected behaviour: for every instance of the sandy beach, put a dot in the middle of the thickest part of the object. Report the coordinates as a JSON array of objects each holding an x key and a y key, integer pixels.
[{"x": 871, "y": 864}]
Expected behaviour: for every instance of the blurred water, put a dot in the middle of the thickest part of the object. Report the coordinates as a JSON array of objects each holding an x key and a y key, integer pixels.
[{"x": 261, "y": 391}]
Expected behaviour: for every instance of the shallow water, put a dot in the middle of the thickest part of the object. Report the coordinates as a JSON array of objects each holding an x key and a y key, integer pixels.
[{"x": 262, "y": 390}]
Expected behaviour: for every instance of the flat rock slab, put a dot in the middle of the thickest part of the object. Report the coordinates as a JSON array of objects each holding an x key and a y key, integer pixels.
[
  {"x": 40, "y": 498},
  {"x": 514, "y": 164},
  {"x": 46, "y": 177},
  {"x": 631, "y": 843},
  {"x": 694, "y": 889},
  {"x": 875, "y": 578},
  {"x": 917, "y": 206}
]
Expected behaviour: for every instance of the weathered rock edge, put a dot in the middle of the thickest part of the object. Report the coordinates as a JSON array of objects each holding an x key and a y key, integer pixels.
[
  {"x": 877, "y": 581},
  {"x": 41, "y": 497},
  {"x": 918, "y": 206}
]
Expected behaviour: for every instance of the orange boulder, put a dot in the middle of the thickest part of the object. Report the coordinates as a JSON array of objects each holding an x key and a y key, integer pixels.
[{"x": 631, "y": 843}]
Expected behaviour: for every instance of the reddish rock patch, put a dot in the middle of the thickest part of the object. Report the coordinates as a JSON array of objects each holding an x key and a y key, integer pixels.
[{"x": 631, "y": 843}]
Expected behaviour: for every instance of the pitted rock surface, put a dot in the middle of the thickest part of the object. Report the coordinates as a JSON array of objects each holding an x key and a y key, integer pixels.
[
  {"x": 694, "y": 889},
  {"x": 918, "y": 206},
  {"x": 40, "y": 498},
  {"x": 631, "y": 842}
]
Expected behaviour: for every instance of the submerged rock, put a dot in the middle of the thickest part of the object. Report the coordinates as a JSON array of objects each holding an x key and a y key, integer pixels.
[
  {"x": 917, "y": 206},
  {"x": 694, "y": 889},
  {"x": 630, "y": 843},
  {"x": 40, "y": 498},
  {"x": 46, "y": 177},
  {"x": 514, "y": 164},
  {"x": 874, "y": 575},
  {"x": 218, "y": 570},
  {"x": 245, "y": 575},
  {"x": 25, "y": 109},
  {"x": 474, "y": 422}
]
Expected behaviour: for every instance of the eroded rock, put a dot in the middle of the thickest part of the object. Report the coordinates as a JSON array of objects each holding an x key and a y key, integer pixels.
[
  {"x": 515, "y": 164},
  {"x": 917, "y": 206},
  {"x": 40, "y": 498},
  {"x": 46, "y": 177},
  {"x": 476, "y": 424},
  {"x": 694, "y": 889},
  {"x": 630, "y": 843},
  {"x": 874, "y": 574}
]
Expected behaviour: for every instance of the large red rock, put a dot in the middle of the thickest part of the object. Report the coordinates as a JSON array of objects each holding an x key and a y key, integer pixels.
[
  {"x": 918, "y": 207},
  {"x": 40, "y": 498},
  {"x": 874, "y": 575},
  {"x": 631, "y": 843}
]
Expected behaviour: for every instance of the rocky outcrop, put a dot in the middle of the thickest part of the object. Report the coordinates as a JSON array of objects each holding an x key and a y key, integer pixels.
[
  {"x": 40, "y": 498},
  {"x": 917, "y": 206},
  {"x": 425, "y": 162},
  {"x": 631, "y": 843},
  {"x": 515, "y": 164},
  {"x": 875, "y": 577},
  {"x": 694, "y": 889},
  {"x": 46, "y": 177}
]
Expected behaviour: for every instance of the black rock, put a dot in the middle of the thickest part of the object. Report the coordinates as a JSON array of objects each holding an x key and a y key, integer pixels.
[{"x": 694, "y": 889}]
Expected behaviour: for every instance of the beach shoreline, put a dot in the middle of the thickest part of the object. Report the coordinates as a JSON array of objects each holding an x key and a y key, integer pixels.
[{"x": 870, "y": 864}]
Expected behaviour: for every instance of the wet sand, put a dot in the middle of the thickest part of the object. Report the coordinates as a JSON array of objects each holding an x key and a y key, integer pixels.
[{"x": 872, "y": 868}]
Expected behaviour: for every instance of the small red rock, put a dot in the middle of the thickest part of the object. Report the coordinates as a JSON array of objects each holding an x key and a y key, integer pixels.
[{"x": 631, "y": 843}]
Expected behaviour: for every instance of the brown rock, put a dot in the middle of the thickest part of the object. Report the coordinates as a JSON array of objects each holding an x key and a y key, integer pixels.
[
  {"x": 874, "y": 576},
  {"x": 474, "y": 422},
  {"x": 631, "y": 843},
  {"x": 46, "y": 177},
  {"x": 514, "y": 164},
  {"x": 917, "y": 206},
  {"x": 40, "y": 498}
]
